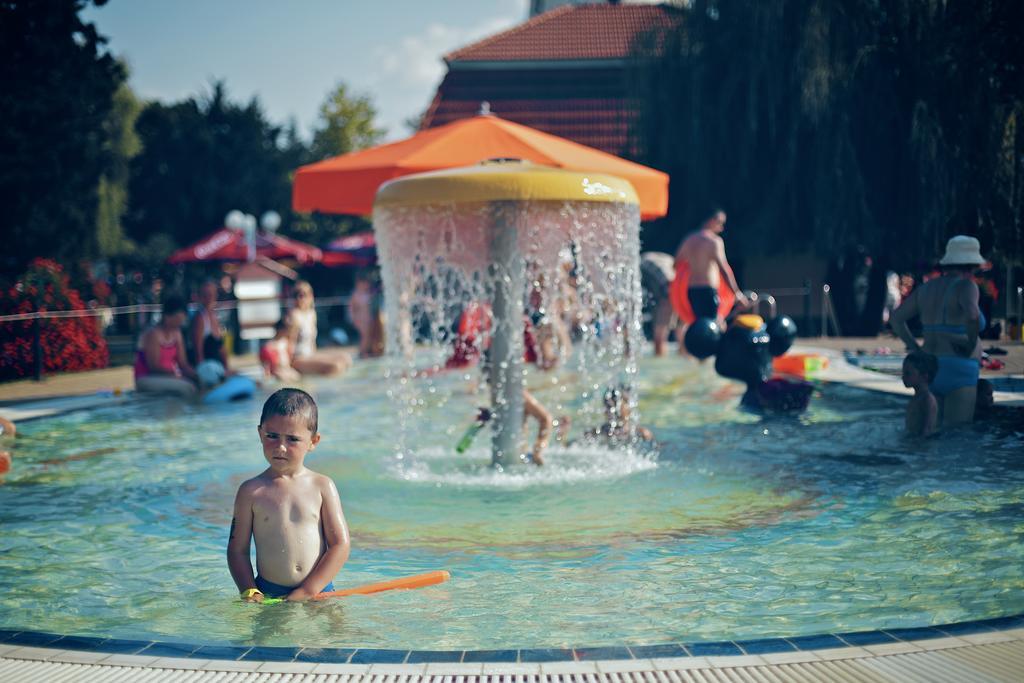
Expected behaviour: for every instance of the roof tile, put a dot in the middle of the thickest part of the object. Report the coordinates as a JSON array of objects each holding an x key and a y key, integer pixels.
[{"x": 569, "y": 32}]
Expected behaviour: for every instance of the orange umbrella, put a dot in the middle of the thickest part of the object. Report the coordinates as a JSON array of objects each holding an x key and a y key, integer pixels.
[{"x": 348, "y": 183}]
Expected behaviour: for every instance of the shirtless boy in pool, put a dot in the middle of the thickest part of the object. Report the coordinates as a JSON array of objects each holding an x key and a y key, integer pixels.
[{"x": 293, "y": 513}]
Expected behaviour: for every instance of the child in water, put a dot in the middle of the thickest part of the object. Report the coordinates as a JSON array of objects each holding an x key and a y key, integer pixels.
[
  {"x": 919, "y": 370},
  {"x": 618, "y": 427},
  {"x": 293, "y": 513},
  {"x": 276, "y": 354}
]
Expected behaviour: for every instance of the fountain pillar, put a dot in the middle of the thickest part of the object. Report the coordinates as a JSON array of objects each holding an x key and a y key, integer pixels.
[{"x": 506, "y": 369}]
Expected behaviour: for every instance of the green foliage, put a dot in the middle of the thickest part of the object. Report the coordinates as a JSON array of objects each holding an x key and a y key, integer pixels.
[
  {"x": 319, "y": 229},
  {"x": 202, "y": 158},
  {"x": 57, "y": 93},
  {"x": 122, "y": 145},
  {"x": 831, "y": 124},
  {"x": 346, "y": 124}
]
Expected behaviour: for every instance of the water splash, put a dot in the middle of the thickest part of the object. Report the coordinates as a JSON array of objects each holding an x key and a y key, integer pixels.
[{"x": 572, "y": 275}]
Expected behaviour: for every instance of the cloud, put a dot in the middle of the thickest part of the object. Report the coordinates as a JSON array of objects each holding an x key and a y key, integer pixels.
[{"x": 411, "y": 67}]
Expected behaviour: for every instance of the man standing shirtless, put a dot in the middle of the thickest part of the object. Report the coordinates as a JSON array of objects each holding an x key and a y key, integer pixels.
[{"x": 704, "y": 252}]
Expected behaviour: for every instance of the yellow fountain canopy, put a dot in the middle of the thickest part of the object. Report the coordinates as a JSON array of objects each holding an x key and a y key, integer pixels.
[{"x": 504, "y": 180}]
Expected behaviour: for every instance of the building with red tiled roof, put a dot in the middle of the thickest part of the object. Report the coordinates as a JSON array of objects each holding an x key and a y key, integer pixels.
[{"x": 564, "y": 72}]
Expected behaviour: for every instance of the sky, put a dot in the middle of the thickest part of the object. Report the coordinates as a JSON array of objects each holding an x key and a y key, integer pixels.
[{"x": 291, "y": 55}]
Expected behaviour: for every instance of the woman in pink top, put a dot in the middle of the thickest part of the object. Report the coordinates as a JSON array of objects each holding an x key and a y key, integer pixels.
[{"x": 161, "y": 365}]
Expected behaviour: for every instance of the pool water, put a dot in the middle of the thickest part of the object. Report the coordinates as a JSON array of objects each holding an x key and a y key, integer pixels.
[{"x": 113, "y": 523}]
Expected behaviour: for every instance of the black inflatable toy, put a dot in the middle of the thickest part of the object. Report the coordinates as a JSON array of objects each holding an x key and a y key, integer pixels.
[
  {"x": 702, "y": 338},
  {"x": 782, "y": 333},
  {"x": 744, "y": 352}
]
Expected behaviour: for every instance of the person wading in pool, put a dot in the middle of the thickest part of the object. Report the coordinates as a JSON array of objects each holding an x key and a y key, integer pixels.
[
  {"x": 704, "y": 252},
  {"x": 951, "y": 319},
  {"x": 161, "y": 365},
  {"x": 293, "y": 513}
]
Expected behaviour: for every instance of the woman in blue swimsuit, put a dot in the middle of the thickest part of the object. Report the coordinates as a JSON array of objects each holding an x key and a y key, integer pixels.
[{"x": 951, "y": 319}]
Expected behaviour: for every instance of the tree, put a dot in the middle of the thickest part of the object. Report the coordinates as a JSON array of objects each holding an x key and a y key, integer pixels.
[
  {"x": 57, "y": 92},
  {"x": 200, "y": 159},
  {"x": 122, "y": 145},
  {"x": 828, "y": 125},
  {"x": 346, "y": 124}
]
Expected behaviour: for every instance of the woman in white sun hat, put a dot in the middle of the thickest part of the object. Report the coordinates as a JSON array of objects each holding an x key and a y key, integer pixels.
[{"x": 951, "y": 320}]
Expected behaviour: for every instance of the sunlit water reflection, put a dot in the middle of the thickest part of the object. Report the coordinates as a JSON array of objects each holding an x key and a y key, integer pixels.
[{"x": 739, "y": 527}]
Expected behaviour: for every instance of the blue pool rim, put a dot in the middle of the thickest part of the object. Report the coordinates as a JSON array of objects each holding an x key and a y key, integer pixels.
[{"x": 353, "y": 655}]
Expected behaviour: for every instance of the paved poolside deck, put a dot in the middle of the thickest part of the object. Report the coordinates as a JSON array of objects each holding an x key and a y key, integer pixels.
[{"x": 997, "y": 657}]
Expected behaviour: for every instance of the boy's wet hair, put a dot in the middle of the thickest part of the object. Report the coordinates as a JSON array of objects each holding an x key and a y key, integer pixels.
[
  {"x": 925, "y": 363},
  {"x": 291, "y": 402}
]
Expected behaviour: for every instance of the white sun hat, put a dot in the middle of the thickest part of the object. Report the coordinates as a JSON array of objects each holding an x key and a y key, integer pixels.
[{"x": 962, "y": 250}]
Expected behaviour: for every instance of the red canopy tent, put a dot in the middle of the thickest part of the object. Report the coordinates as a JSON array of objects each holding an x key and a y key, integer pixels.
[
  {"x": 229, "y": 244},
  {"x": 359, "y": 249}
]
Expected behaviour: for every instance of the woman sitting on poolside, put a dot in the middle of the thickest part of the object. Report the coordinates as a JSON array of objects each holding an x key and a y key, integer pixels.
[
  {"x": 161, "y": 365},
  {"x": 307, "y": 359},
  {"x": 951, "y": 319}
]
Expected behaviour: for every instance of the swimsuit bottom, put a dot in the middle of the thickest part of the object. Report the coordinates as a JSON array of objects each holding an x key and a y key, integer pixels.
[
  {"x": 704, "y": 301},
  {"x": 955, "y": 372},
  {"x": 276, "y": 590}
]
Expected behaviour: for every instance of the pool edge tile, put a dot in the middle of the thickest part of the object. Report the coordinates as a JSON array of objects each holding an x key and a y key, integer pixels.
[
  {"x": 764, "y": 646},
  {"x": 372, "y": 655},
  {"x": 625, "y": 665},
  {"x": 328, "y": 668},
  {"x": 898, "y": 648},
  {"x": 790, "y": 657},
  {"x": 714, "y": 648},
  {"x": 943, "y": 643},
  {"x": 540, "y": 655},
  {"x": 454, "y": 669},
  {"x": 568, "y": 668},
  {"x": 232, "y": 665},
  {"x": 733, "y": 661},
  {"x": 987, "y": 638},
  {"x": 434, "y": 657},
  {"x": 286, "y": 667},
  {"x": 490, "y": 656},
  {"x": 594, "y": 654},
  {"x": 390, "y": 669},
  {"x": 914, "y": 634},
  {"x": 168, "y": 650},
  {"x": 865, "y": 638},
  {"x": 81, "y": 657},
  {"x": 180, "y": 663},
  {"x": 674, "y": 663},
  {"x": 215, "y": 652},
  {"x": 511, "y": 668},
  {"x": 40, "y": 654},
  {"x": 129, "y": 660},
  {"x": 316, "y": 655},
  {"x": 846, "y": 652},
  {"x": 123, "y": 646},
  {"x": 268, "y": 653},
  {"x": 824, "y": 641}
]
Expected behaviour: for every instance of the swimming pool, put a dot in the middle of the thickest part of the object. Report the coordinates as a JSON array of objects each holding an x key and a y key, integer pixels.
[{"x": 739, "y": 528}]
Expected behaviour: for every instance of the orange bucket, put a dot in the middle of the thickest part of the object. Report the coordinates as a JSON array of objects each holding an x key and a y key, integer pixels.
[{"x": 799, "y": 364}]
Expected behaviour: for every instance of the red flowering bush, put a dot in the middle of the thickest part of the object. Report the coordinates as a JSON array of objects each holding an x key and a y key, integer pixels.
[{"x": 68, "y": 343}]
